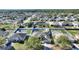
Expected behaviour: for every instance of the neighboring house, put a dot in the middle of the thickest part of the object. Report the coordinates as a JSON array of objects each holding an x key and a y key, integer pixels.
[
  {"x": 60, "y": 23},
  {"x": 56, "y": 24},
  {"x": 43, "y": 35},
  {"x": 37, "y": 33},
  {"x": 3, "y": 33},
  {"x": 67, "y": 24},
  {"x": 72, "y": 18},
  {"x": 50, "y": 23},
  {"x": 18, "y": 37},
  {"x": 66, "y": 18},
  {"x": 75, "y": 24}
]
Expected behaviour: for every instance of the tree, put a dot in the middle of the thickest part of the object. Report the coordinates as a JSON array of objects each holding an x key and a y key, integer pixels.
[
  {"x": 62, "y": 41},
  {"x": 3, "y": 29},
  {"x": 34, "y": 43},
  {"x": 2, "y": 40},
  {"x": 30, "y": 24},
  {"x": 21, "y": 26}
]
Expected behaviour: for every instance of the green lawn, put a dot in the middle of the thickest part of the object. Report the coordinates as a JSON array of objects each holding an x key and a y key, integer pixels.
[
  {"x": 28, "y": 31},
  {"x": 73, "y": 32},
  {"x": 8, "y": 26},
  {"x": 2, "y": 40},
  {"x": 19, "y": 46}
]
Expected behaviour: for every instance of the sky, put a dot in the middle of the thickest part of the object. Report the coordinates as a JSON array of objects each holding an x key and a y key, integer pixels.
[{"x": 39, "y": 4}]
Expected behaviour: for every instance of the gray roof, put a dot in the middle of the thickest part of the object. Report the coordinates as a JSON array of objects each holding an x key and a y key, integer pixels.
[
  {"x": 3, "y": 33},
  {"x": 18, "y": 37}
]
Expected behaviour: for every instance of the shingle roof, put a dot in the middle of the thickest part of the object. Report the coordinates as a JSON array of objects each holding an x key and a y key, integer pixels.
[
  {"x": 3, "y": 33},
  {"x": 18, "y": 37}
]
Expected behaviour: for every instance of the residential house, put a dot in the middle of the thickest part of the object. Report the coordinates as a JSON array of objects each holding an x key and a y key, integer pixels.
[{"x": 18, "y": 37}]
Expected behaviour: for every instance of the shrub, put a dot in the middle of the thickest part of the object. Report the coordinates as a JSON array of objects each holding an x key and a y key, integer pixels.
[
  {"x": 2, "y": 40},
  {"x": 62, "y": 41},
  {"x": 34, "y": 43}
]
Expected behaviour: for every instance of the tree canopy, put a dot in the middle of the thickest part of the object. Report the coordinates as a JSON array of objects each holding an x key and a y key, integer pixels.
[{"x": 34, "y": 43}]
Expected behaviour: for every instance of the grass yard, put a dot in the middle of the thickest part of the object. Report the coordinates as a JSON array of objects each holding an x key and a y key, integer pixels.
[
  {"x": 8, "y": 26},
  {"x": 28, "y": 31},
  {"x": 19, "y": 46},
  {"x": 73, "y": 32}
]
